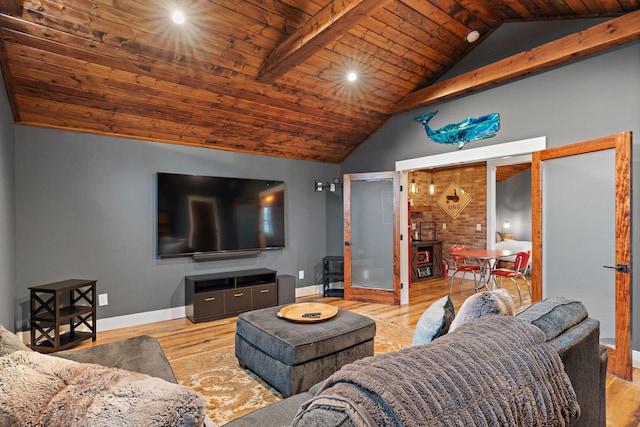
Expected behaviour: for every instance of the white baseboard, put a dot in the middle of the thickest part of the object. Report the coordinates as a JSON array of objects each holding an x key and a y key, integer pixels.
[
  {"x": 140, "y": 318},
  {"x": 309, "y": 290},
  {"x": 125, "y": 321},
  {"x": 635, "y": 357}
]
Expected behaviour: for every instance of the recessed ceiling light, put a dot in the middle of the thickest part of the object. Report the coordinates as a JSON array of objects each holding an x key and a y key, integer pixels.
[
  {"x": 178, "y": 17},
  {"x": 473, "y": 36},
  {"x": 352, "y": 77}
]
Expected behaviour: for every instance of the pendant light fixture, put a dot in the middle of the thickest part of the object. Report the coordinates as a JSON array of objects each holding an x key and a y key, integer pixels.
[
  {"x": 432, "y": 186},
  {"x": 413, "y": 189}
]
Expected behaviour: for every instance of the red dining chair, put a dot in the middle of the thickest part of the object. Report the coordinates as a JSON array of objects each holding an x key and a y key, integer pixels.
[
  {"x": 519, "y": 269},
  {"x": 460, "y": 266}
]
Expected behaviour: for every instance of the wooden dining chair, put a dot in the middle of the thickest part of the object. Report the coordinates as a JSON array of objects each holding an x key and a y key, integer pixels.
[
  {"x": 519, "y": 270},
  {"x": 459, "y": 265}
]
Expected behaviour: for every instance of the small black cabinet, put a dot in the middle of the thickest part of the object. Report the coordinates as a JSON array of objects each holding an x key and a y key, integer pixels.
[
  {"x": 333, "y": 276},
  {"x": 217, "y": 295},
  {"x": 63, "y": 314}
]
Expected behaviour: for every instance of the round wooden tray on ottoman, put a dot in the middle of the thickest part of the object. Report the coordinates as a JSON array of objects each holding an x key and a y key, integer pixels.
[
  {"x": 292, "y": 356},
  {"x": 308, "y": 312}
]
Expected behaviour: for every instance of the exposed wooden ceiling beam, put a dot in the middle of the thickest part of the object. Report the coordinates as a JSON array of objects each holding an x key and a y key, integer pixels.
[
  {"x": 10, "y": 7},
  {"x": 607, "y": 35},
  {"x": 330, "y": 23}
]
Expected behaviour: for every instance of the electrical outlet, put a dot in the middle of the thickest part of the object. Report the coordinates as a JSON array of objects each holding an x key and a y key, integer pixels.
[
  {"x": 103, "y": 299},
  {"x": 444, "y": 226},
  {"x": 478, "y": 227},
  {"x": 301, "y": 274}
]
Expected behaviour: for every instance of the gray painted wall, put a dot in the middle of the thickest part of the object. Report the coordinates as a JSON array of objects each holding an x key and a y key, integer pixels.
[
  {"x": 590, "y": 98},
  {"x": 85, "y": 208},
  {"x": 7, "y": 214},
  {"x": 335, "y": 224}
]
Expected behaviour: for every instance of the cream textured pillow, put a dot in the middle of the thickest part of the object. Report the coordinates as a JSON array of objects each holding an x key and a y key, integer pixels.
[
  {"x": 499, "y": 301},
  {"x": 9, "y": 342}
]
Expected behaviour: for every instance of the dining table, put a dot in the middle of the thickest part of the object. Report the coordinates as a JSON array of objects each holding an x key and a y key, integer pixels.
[{"x": 486, "y": 259}]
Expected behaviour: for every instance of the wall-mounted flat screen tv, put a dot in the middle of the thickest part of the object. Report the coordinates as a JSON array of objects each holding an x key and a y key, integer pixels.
[{"x": 205, "y": 214}]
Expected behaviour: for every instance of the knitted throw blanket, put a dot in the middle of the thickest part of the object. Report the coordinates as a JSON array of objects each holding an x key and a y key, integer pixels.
[
  {"x": 41, "y": 390},
  {"x": 495, "y": 371}
]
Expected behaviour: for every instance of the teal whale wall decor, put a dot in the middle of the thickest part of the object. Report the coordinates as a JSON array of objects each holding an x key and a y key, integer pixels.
[{"x": 468, "y": 130}]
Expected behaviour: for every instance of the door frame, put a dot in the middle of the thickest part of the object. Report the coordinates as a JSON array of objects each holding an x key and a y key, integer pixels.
[
  {"x": 458, "y": 157},
  {"x": 380, "y": 296},
  {"x": 620, "y": 358}
]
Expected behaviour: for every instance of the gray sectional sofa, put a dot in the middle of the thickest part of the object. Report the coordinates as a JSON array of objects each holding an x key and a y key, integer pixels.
[
  {"x": 566, "y": 328},
  {"x": 572, "y": 338}
]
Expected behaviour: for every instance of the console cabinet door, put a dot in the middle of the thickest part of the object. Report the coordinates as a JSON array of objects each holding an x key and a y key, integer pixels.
[
  {"x": 208, "y": 304},
  {"x": 236, "y": 300},
  {"x": 264, "y": 296}
]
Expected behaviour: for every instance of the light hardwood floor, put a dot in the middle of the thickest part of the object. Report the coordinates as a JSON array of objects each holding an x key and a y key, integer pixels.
[{"x": 180, "y": 338}]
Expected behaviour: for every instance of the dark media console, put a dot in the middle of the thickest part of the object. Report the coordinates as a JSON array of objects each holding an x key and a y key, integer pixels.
[{"x": 217, "y": 295}]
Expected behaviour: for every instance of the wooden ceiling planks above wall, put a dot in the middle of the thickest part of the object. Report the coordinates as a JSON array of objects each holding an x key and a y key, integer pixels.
[
  {"x": 263, "y": 77},
  {"x": 596, "y": 39},
  {"x": 503, "y": 173},
  {"x": 330, "y": 23}
]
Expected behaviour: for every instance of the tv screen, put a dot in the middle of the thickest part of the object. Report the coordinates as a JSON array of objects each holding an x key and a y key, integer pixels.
[{"x": 203, "y": 214}]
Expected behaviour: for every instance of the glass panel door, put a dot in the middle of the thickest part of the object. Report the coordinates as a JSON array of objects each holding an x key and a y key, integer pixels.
[
  {"x": 579, "y": 234},
  {"x": 581, "y": 203},
  {"x": 371, "y": 233}
]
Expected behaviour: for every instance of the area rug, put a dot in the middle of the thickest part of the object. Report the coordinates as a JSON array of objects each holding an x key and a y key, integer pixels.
[{"x": 231, "y": 391}]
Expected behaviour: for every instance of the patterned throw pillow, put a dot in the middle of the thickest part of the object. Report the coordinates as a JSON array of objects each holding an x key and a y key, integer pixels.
[
  {"x": 499, "y": 301},
  {"x": 434, "y": 322}
]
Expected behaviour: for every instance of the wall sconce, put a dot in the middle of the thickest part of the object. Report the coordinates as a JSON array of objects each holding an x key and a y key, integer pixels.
[
  {"x": 505, "y": 226},
  {"x": 413, "y": 189},
  {"x": 432, "y": 186},
  {"x": 332, "y": 186}
]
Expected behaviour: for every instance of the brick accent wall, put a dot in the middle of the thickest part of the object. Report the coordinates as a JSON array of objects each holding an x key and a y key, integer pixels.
[{"x": 462, "y": 229}]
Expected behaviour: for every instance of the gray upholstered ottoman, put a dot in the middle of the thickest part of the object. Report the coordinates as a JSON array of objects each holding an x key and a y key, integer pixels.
[{"x": 292, "y": 357}]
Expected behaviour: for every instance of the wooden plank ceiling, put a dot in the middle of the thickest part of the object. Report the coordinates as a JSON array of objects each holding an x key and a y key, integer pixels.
[
  {"x": 266, "y": 77},
  {"x": 504, "y": 173}
]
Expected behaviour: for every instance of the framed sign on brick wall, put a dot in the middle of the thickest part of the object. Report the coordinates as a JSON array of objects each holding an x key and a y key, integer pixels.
[{"x": 453, "y": 200}]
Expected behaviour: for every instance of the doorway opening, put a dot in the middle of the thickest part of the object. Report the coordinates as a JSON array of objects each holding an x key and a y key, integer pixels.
[{"x": 494, "y": 155}]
